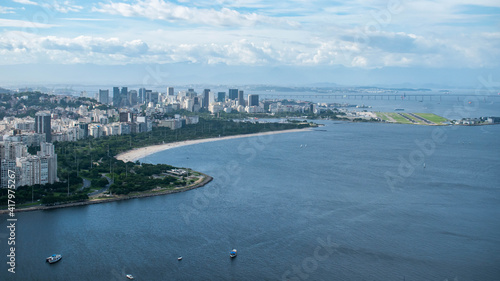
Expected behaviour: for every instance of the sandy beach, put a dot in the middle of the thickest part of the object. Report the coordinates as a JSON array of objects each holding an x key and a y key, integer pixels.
[{"x": 138, "y": 153}]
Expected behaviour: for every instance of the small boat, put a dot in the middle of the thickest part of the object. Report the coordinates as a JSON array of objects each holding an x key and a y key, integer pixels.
[
  {"x": 179, "y": 258},
  {"x": 129, "y": 276},
  {"x": 233, "y": 253},
  {"x": 54, "y": 258}
]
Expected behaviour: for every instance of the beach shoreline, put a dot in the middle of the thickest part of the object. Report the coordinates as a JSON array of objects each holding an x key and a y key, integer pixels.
[{"x": 138, "y": 153}]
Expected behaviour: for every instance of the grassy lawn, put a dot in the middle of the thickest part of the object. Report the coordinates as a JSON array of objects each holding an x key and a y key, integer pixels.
[
  {"x": 432, "y": 117},
  {"x": 382, "y": 116}
]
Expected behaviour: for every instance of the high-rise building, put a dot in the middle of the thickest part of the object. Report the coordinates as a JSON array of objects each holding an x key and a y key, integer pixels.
[
  {"x": 206, "y": 98},
  {"x": 103, "y": 96},
  {"x": 152, "y": 96},
  {"x": 241, "y": 99},
  {"x": 116, "y": 96},
  {"x": 233, "y": 94},
  {"x": 191, "y": 93},
  {"x": 170, "y": 91},
  {"x": 47, "y": 153},
  {"x": 83, "y": 130},
  {"x": 42, "y": 125},
  {"x": 253, "y": 100},
  {"x": 147, "y": 95},
  {"x": 221, "y": 96},
  {"x": 124, "y": 96},
  {"x": 7, "y": 167},
  {"x": 142, "y": 95},
  {"x": 126, "y": 117},
  {"x": 13, "y": 150},
  {"x": 132, "y": 97}
]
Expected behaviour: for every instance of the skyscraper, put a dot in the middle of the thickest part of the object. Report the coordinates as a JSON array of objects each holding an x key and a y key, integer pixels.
[
  {"x": 132, "y": 97},
  {"x": 116, "y": 96},
  {"x": 42, "y": 125},
  {"x": 124, "y": 96},
  {"x": 241, "y": 99},
  {"x": 221, "y": 96},
  {"x": 47, "y": 153},
  {"x": 253, "y": 100},
  {"x": 142, "y": 95},
  {"x": 103, "y": 96},
  {"x": 170, "y": 91},
  {"x": 233, "y": 94},
  {"x": 206, "y": 98},
  {"x": 152, "y": 96}
]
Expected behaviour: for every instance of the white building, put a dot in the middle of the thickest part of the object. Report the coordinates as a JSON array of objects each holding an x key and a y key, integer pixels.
[
  {"x": 95, "y": 130},
  {"x": 171, "y": 123}
]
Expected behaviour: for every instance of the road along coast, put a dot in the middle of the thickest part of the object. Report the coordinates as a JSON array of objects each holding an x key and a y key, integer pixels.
[{"x": 206, "y": 179}]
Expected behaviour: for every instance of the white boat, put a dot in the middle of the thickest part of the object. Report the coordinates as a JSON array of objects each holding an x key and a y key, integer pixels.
[
  {"x": 129, "y": 276},
  {"x": 54, "y": 258},
  {"x": 233, "y": 253},
  {"x": 179, "y": 258}
]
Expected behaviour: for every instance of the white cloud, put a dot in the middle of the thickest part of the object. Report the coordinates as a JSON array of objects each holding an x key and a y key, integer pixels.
[
  {"x": 161, "y": 10},
  {"x": 254, "y": 38},
  {"x": 334, "y": 51},
  {"x": 64, "y": 7},
  {"x": 6, "y": 10},
  {"x": 24, "y": 24},
  {"x": 85, "y": 19},
  {"x": 26, "y": 2}
]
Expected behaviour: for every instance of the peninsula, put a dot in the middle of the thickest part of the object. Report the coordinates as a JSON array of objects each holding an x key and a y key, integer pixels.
[{"x": 107, "y": 169}]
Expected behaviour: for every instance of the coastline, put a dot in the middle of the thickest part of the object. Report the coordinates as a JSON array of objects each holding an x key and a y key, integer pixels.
[
  {"x": 205, "y": 180},
  {"x": 138, "y": 153}
]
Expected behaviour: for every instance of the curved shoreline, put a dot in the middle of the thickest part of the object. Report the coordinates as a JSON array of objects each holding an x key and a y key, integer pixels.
[
  {"x": 205, "y": 180},
  {"x": 138, "y": 153}
]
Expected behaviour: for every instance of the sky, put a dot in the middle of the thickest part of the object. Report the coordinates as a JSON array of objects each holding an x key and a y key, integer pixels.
[{"x": 291, "y": 42}]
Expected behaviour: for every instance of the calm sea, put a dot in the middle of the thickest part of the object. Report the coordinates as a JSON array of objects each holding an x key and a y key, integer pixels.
[{"x": 348, "y": 201}]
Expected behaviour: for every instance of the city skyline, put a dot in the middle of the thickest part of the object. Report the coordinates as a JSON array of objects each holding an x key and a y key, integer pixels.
[{"x": 253, "y": 41}]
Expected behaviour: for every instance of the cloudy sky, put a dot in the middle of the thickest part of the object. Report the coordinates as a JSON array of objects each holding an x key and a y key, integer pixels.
[{"x": 249, "y": 41}]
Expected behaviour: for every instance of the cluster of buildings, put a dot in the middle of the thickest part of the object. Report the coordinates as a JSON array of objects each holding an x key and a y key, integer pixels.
[
  {"x": 132, "y": 111},
  {"x": 28, "y": 169},
  {"x": 478, "y": 121},
  {"x": 188, "y": 100},
  {"x": 14, "y": 157}
]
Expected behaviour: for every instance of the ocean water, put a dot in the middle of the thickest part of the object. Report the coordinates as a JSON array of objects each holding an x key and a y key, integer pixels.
[
  {"x": 459, "y": 104},
  {"x": 347, "y": 201}
]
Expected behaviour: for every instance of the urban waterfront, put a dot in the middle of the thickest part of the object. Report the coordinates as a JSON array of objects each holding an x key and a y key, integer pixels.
[{"x": 313, "y": 205}]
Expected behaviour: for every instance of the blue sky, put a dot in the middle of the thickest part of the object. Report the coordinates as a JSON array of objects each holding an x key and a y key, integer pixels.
[{"x": 324, "y": 38}]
